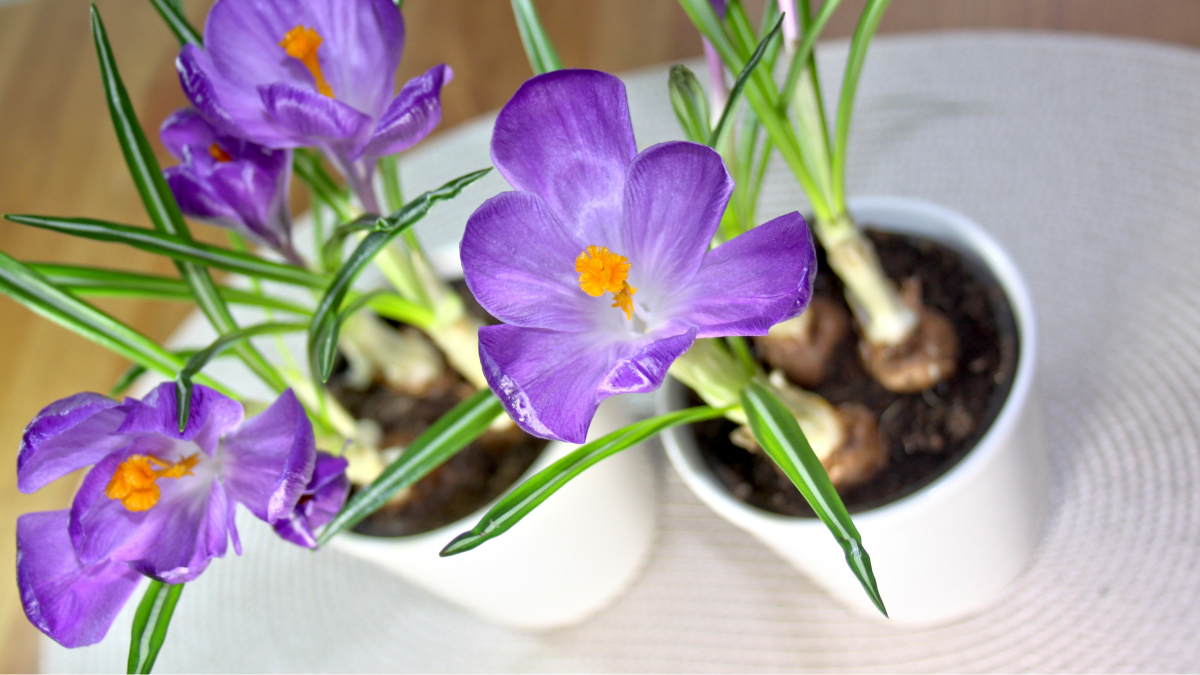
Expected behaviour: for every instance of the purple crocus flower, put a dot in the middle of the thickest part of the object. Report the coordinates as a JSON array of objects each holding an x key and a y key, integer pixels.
[
  {"x": 312, "y": 73},
  {"x": 156, "y": 502},
  {"x": 593, "y": 216},
  {"x": 322, "y": 499},
  {"x": 230, "y": 182}
]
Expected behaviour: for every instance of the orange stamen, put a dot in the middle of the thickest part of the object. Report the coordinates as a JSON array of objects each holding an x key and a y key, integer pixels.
[
  {"x": 624, "y": 300},
  {"x": 133, "y": 483},
  {"x": 301, "y": 43},
  {"x": 219, "y": 154},
  {"x": 600, "y": 271}
]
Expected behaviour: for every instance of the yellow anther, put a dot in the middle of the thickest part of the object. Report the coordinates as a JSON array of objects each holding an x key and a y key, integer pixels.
[
  {"x": 601, "y": 270},
  {"x": 301, "y": 43},
  {"x": 624, "y": 300},
  {"x": 133, "y": 483},
  {"x": 218, "y": 154}
]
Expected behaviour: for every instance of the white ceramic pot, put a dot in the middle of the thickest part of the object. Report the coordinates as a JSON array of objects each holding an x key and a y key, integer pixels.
[
  {"x": 564, "y": 562},
  {"x": 948, "y": 549}
]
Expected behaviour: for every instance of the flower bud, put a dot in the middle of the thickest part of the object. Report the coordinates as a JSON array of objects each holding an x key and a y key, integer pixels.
[{"x": 691, "y": 108}]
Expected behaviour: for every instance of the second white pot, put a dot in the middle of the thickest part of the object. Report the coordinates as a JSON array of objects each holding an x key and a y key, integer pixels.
[
  {"x": 564, "y": 562},
  {"x": 950, "y": 548}
]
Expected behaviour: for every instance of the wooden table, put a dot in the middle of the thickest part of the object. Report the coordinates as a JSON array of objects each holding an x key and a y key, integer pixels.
[{"x": 58, "y": 154}]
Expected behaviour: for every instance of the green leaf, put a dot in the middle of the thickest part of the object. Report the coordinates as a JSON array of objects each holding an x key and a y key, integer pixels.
[
  {"x": 761, "y": 94},
  {"x": 441, "y": 441},
  {"x": 160, "y": 203},
  {"x": 528, "y": 495},
  {"x": 542, "y": 56},
  {"x": 126, "y": 380},
  {"x": 156, "y": 607},
  {"x": 35, "y": 292},
  {"x": 171, "y": 12},
  {"x": 309, "y": 169},
  {"x": 159, "y": 636},
  {"x": 141, "y": 619},
  {"x": 99, "y": 282},
  {"x": 183, "y": 380},
  {"x": 389, "y": 171},
  {"x": 741, "y": 349},
  {"x": 867, "y": 24},
  {"x": 331, "y": 251},
  {"x": 392, "y": 306},
  {"x": 133, "y": 372},
  {"x": 323, "y": 334},
  {"x": 743, "y": 77},
  {"x": 690, "y": 103},
  {"x": 178, "y": 248},
  {"x": 780, "y": 436}
]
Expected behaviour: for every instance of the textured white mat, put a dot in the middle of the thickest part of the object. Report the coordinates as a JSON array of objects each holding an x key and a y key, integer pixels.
[{"x": 1083, "y": 157}]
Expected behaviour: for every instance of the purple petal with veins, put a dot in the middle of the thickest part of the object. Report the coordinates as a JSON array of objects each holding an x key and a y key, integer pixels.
[
  {"x": 71, "y": 602},
  {"x": 156, "y": 502},
  {"x": 311, "y": 73},
  {"x": 566, "y": 142},
  {"x": 323, "y": 497},
  {"x": 230, "y": 182}
]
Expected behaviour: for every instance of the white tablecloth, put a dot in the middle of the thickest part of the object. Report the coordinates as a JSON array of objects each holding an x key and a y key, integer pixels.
[{"x": 1082, "y": 156}]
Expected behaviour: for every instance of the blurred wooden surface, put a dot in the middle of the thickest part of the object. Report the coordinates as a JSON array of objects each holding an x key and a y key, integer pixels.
[{"x": 58, "y": 155}]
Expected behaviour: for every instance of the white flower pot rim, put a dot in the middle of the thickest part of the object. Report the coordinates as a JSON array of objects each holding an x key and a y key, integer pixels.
[{"x": 981, "y": 245}]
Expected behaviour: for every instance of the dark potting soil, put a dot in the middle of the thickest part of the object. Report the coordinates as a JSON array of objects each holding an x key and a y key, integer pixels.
[
  {"x": 478, "y": 474},
  {"x": 925, "y": 433}
]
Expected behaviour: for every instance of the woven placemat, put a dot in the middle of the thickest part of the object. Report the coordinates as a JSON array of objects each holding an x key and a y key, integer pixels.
[{"x": 1082, "y": 156}]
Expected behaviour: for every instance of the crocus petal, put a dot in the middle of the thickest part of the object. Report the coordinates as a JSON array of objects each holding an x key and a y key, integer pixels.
[
  {"x": 68, "y": 435},
  {"x": 100, "y": 525},
  {"x": 231, "y": 523},
  {"x": 212, "y": 414},
  {"x": 71, "y": 602},
  {"x": 268, "y": 461},
  {"x": 551, "y": 382},
  {"x": 519, "y": 262},
  {"x": 197, "y": 199},
  {"x": 233, "y": 109},
  {"x": 245, "y": 191},
  {"x": 258, "y": 197},
  {"x": 311, "y": 117},
  {"x": 242, "y": 39},
  {"x": 359, "y": 52},
  {"x": 182, "y": 533},
  {"x": 567, "y": 136},
  {"x": 675, "y": 194},
  {"x": 751, "y": 282},
  {"x": 185, "y": 128},
  {"x": 362, "y": 44},
  {"x": 411, "y": 115},
  {"x": 323, "y": 498}
]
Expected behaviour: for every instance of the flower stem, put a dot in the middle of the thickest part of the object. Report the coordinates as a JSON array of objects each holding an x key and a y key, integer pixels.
[
  {"x": 872, "y": 296},
  {"x": 718, "y": 377}
]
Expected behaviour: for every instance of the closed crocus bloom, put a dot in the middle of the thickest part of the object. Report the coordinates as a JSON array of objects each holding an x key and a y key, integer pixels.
[
  {"x": 230, "y": 182},
  {"x": 599, "y": 265},
  {"x": 322, "y": 499},
  {"x": 312, "y": 73},
  {"x": 156, "y": 502}
]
